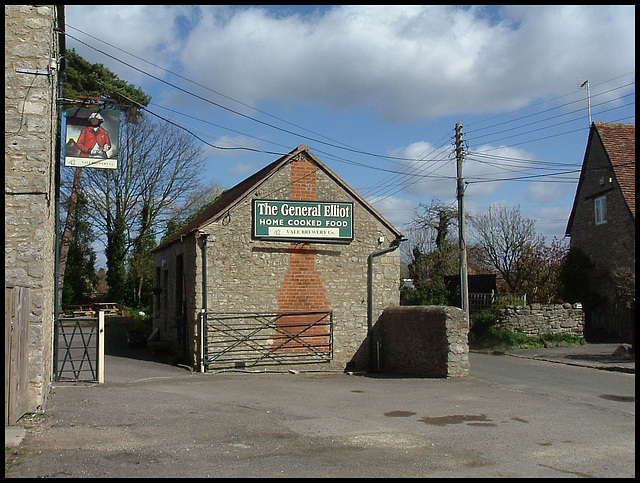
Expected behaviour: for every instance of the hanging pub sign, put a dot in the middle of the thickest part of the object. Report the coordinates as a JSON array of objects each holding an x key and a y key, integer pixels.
[
  {"x": 91, "y": 138},
  {"x": 304, "y": 221}
]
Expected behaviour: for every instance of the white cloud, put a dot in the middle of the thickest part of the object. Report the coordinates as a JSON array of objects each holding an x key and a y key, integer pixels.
[
  {"x": 243, "y": 169},
  {"x": 409, "y": 62},
  {"x": 430, "y": 173},
  {"x": 403, "y": 62},
  {"x": 397, "y": 211},
  {"x": 545, "y": 192},
  {"x": 485, "y": 171},
  {"x": 550, "y": 221}
]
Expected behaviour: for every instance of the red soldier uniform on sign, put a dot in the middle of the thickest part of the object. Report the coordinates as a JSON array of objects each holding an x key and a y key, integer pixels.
[{"x": 94, "y": 140}]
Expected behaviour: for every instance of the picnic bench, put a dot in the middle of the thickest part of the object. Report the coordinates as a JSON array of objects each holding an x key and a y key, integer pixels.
[
  {"x": 90, "y": 310},
  {"x": 109, "y": 308}
]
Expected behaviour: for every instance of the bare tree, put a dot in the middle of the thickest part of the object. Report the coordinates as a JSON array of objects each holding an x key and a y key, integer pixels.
[
  {"x": 506, "y": 238},
  {"x": 159, "y": 166}
]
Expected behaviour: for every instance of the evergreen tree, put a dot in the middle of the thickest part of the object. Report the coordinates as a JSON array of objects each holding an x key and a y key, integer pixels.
[
  {"x": 81, "y": 277},
  {"x": 116, "y": 257}
]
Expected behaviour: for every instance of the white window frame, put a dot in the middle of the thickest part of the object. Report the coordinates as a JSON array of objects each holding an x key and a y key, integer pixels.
[{"x": 600, "y": 209}]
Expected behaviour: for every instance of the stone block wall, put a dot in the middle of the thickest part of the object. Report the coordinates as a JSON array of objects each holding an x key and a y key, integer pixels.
[
  {"x": 536, "y": 319},
  {"x": 31, "y": 126},
  {"x": 423, "y": 341}
]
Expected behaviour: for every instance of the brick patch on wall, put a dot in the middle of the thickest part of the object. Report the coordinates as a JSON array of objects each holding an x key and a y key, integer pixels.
[{"x": 303, "y": 287}]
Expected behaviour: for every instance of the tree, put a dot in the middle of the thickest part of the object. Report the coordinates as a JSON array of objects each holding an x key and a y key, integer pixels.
[
  {"x": 159, "y": 168},
  {"x": 81, "y": 277},
  {"x": 140, "y": 276},
  {"x": 541, "y": 272},
  {"x": 87, "y": 81},
  {"x": 433, "y": 256},
  {"x": 67, "y": 235},
  {"x": 576, "y": 273},
  {"x": 92, "y": 85},
  {"x": 506, "y": 240},
  {"x": 199, "y": 200}
]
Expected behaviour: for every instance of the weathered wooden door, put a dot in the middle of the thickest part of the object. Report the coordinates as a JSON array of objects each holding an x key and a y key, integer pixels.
[{"x": 17, "y": 303}]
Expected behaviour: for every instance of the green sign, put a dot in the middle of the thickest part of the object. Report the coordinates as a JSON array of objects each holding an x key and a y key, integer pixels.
[{"x": 303, "y": 220}]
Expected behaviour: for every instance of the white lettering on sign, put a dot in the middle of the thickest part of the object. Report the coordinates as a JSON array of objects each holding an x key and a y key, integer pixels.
[
  {"x": 271, "y": 222},
  {"x": 335, "y": 211},
  {"x": 267, "y": 209},
  {"x": 288, "y": 210}
]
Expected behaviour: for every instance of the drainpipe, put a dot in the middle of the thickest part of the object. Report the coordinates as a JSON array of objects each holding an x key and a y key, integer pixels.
[
  {"x": 203, "y": 316},
  {"x": 374, "y": 363}
]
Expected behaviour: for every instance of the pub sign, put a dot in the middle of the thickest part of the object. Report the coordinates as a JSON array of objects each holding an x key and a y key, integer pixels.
[
  {"x": 91, "y": 138},
  {"x": 304, "y": 221}
]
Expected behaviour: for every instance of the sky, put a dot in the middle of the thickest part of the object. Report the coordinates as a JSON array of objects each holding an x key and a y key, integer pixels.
[{"x": 376, "y": 92}]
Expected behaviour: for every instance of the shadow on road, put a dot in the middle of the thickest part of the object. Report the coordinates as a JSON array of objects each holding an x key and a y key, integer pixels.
[{"x": 117, "y": 344}]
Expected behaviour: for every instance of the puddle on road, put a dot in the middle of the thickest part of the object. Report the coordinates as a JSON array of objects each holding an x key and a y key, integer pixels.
[
  {"x": 613, "y": 397},
  {"x": 457, "y": 419},
  {"x": 399, "y": 414}
]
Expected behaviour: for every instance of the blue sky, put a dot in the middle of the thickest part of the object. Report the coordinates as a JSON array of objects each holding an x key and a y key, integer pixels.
[{"x": 376, "y": 92}]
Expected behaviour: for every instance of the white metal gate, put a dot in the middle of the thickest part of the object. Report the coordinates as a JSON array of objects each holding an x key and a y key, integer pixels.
[{"x": 80, "y": 349}]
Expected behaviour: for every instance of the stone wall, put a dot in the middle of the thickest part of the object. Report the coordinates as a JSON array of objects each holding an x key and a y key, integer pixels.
[
  {"x": 31, "y": 125},
  {"x": 423, "y": 341},
  {"x": 536, "y": 319}
]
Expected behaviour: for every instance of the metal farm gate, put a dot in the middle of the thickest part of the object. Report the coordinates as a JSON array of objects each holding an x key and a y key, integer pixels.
[
  {"x": 79, "y": 349},
  {"x": 242, "y": 340}
]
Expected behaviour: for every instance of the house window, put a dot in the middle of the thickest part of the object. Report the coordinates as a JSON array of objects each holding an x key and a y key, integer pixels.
[{"x": 600, "y": 206}]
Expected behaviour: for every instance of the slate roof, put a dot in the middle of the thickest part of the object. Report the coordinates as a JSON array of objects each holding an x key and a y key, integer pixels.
[
  {"x": 239, "y": 192},
  {"x": 619, "y": 141}
]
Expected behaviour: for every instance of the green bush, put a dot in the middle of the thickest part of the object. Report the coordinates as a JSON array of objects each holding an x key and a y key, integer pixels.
[
  {"x": 508, "y": 339},
  {"x": 485, "y": 334}
]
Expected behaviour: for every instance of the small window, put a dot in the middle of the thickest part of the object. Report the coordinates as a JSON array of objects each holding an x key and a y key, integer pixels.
[{"x": 600, "y": 207}]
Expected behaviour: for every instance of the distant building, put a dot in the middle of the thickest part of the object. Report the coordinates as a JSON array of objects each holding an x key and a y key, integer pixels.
[
  {"x": 602, "y": 224},
  {"x": 293, "y": 237}
]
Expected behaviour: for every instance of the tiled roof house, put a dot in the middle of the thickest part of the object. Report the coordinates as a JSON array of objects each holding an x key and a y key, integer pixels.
[{"x": 602, "y": 225}]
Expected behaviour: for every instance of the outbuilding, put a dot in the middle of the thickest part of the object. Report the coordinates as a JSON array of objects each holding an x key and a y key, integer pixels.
[{"x": 290, "y": 266}]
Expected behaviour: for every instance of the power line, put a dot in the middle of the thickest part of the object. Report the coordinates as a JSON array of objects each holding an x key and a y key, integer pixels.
[
  {"x": 554, "y": 117},
  {"x": 209, "y": 101},
  {"x": 541, "y": 103},
  {"x": 422, "y": 169}
]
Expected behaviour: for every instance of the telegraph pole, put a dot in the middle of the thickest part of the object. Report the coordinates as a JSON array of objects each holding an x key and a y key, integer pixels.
[
  {"x": 462, "y": 237},
  {"x": 586, "y": 83}
]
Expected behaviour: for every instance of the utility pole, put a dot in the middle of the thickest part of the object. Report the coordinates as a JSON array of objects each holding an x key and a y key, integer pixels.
[
  {"x": 586, "y": 83},
  {"x": 462, "y": 237}
]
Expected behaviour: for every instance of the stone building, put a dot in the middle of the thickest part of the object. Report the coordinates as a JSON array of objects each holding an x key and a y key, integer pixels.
[
  {"x": 602, "y": 225},
  {"x": 293, "y": 237},
  {"x": 33, "y": 51}
]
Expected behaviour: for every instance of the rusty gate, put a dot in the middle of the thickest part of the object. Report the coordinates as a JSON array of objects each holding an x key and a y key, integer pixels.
[{"x": 242, "y": 340}]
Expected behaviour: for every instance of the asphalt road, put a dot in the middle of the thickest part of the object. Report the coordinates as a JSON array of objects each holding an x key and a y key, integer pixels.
[{"x": 511, "y": 417}]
